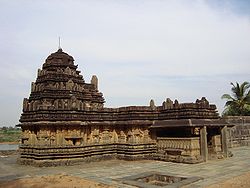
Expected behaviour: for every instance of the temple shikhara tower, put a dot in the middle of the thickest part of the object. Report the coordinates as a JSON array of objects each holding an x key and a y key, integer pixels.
[{"x": 64, "y": 121}]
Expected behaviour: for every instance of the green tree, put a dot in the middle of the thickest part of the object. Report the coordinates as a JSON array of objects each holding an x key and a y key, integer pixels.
[{"x": 239, "y": 102}]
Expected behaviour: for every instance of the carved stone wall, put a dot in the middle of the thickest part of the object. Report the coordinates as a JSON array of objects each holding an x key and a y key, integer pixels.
[
  {"x": 53, "y": 135},
  {"x": 185, "y": 150},
  {"x": 183, "y": 146},
  {"x": 82, "y": 143}
]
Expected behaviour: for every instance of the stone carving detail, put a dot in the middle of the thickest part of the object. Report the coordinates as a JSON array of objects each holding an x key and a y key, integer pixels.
[
  {"x": 168, "y": 104},
  {"x": 203, "y": 102},
  {"x": 43, "y": 72},
  {"x": 39, "y": 87},
  {"x": 59, "y": 70},
  {"x": 68, "y": 71},
  {"x": 176, "y": 103},
  {"x": 45, "y": 105},
  {"x": 39, "y": 72},
  {"x": 55, "y": 104},
  {"x": 69, "y": 85},
  {"x": 74, "y": 103},
  {"x": 33, "y": 87},
  {"x": 65, "y": 104},
  {"x": 31, "y": 106},
  {"x": 152, "y": 104},
  {"x": 196, "y": 131},
  {"x": 50, "y": 86},
  {"x": 186, "y": 146},
  {"x": 60, "y": 104},
  {"x": 94, "y": 81},
  {"x": 62, "y": 86},
  {"x": 25, "y": 104},
  {"x": 56, "y": 85},
  {"x": 80, "y": 105},
  {"x": 122, "y": 137},
  {"x": 36, "y": 105}
]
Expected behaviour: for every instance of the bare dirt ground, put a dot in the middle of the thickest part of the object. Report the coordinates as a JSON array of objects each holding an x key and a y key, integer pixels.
[
  {"x": 214, "y": 172},
  {"x": 242, "y": 181},
  {"x": 65, "y": 181},
  {"x": 53, "y": 181}
]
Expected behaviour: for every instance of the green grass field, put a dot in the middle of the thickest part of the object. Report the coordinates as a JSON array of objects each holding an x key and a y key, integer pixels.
[{"x": 10, "y": 135}]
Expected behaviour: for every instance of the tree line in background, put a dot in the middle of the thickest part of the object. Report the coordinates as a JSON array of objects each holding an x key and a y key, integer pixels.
[
  {"x": 10, "y": 134},
  {"x": 238, "y": 103}
]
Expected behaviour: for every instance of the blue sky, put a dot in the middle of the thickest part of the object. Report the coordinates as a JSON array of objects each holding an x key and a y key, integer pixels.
[{"x": 138, "y": 49}]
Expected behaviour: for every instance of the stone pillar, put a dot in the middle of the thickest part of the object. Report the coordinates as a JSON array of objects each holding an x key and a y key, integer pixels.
[
  {"x": 224, "y": 145},
  {"x": 203, "y": 143}
]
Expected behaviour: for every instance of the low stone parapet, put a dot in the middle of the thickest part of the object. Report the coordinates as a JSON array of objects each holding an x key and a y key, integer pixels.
[
  {"x": 188, "y": 146},
  {"x": 186, "y": 150}
]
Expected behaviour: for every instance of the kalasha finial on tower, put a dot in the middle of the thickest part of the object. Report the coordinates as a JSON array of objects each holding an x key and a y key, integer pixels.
[{"x": 59, "y": 46}]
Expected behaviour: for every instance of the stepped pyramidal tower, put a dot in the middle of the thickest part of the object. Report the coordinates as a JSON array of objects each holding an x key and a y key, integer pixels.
[{"x": 64, "y": 121}]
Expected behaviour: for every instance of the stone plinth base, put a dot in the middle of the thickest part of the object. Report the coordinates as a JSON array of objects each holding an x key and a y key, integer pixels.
[{"x": 54, "y": 156}]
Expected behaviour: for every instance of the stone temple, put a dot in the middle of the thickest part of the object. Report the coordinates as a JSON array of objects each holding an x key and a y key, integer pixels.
[{"x": 64, "y": 121}]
